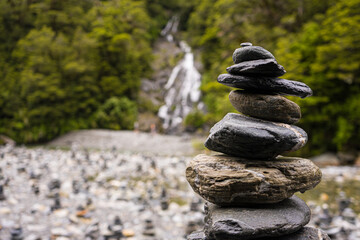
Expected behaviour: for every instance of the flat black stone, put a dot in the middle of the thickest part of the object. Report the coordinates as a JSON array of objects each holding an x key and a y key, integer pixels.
[
  {"x": 197, "y": 235},
  {"x": 266, "y": 84},
  {"x": 265, "y": 221},
  {"x": 263, "y": 67},
  {"x": 306, "y": 233},
  {"x": 249, "y": 53},
  {"x": 251, "y": 138}
]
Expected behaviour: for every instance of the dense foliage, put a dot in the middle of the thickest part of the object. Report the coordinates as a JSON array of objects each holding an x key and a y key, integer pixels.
[
  {"x": 70, "y": 64},
  {"x": 316, "y": 41},
  {"x": 63, "y": 61}
]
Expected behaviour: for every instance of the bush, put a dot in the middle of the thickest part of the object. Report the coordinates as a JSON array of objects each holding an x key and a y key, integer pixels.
[{"x": 116, "y": 113}]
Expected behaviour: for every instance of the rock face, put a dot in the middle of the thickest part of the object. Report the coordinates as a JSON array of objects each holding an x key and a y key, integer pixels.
[
  {"x": 233, "y": 181},
  {"x": 267, "y": 67},
  {"x": 250, "y": 53},
  {"x": 266, "y": 84},
  {"x": 272, "y": 220},
  {"x": 306, "y": 233},
  {"x": 248, "y": 137},
  {"x": 268, "y": 107}
]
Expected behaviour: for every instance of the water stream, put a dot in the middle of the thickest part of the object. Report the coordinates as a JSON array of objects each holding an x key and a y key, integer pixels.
[{"x": 182, "y": 90}]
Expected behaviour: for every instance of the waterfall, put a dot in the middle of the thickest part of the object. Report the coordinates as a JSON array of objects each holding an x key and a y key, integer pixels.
[{"x": 183, "y": 86}]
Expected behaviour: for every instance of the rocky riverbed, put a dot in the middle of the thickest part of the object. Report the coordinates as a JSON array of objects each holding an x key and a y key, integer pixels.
[{"x": 104, "y": 194}]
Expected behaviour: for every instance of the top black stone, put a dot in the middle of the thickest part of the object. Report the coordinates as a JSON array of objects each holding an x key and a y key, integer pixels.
[
  {"x": 249, "y": 53},
  {"x": 246, "y": 44}
]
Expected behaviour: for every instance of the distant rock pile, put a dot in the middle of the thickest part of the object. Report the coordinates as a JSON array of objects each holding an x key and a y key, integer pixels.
[{"x": 249, "y": 188}]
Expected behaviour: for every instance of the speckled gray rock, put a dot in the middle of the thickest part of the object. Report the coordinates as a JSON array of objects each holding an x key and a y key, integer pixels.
[
  {"x": 198, "y": 235},
  {"x": 268, "y": 107},
  {"x": 306, "y": 233},
  {"x": 249, "y": 53},
  {"x": 253, "y": 138},
  {"x": 271, "y": 220},
  {"x": 262, "y": 67},
  {"x": 233, "y": 181},
  {"x": 266, "y": 85}
]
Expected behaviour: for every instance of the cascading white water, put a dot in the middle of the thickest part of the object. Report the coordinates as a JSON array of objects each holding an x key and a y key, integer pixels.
[{"x": 182, "y": 88}]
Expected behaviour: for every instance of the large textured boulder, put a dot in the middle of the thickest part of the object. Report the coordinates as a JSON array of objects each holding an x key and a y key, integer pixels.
[
  {"x": 271, "y": 220},
  {"x": 249, "y": 53},
  {"x": 233, "y": 181},
  {"x": 266, "y": 85},
  {"x": 262, "y": 67},
  {"x": 248, "y": 137},
  {"x": 268, "y": 107}
]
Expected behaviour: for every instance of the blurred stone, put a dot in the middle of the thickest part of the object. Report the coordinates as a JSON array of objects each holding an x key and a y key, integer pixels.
[
  {"x": 197, "y": 235},
  {"x": 2, "y": 194},
  {"x": 194, "y": 205},
  {"x": 57, "y": 203},
  {"x": 75, "y": 186},
  {"x": 16, "y": 233},
  {"x": 54, "y": 184},
  {"x": 349, "y": 215},
  {"x": 190, "y": 227},
  {"x": 357, "y": 161},
  {"x": 116, "y": 228},
  {"x": 347, "y": 158},
  {"x": 128, "y": 233},
  {"x": 343, "y": 202},
  {"x": 164, "y": 200},
  {"x": 92, "y": 232},
  {"x": 326, "y": 159},
  {"x": 149, "y": 228},
  {"x": 35, "y": 188}
]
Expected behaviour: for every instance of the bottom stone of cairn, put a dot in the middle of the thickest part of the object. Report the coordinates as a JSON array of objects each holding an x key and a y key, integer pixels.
[
  {"x": 306, "y": 233},
  {"x": 270, "y": 220}
]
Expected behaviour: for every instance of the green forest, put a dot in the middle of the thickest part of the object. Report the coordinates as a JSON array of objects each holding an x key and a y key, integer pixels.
[{"x": 68, "y": 65}]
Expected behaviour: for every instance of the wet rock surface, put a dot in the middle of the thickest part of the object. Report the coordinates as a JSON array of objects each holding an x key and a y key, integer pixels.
[
  {"x": 266, "y": 84},
  {"x": 283, "y": 218},
  {"x": 248, "y": 137},
  {"x": 265, "y": 67},
  {"x": 268, "y": 107},
  {"x": 231, "y": 181}
]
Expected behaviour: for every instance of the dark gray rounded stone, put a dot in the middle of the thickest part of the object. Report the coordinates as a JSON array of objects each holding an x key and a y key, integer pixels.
[
  {"x": 252, "y": 138},
  {"x": 234, "y": 181},
  {"x": 306, "y": 233},
  {"x": 266, "y": 84},
  {"x": 263, "y": 67},
  {"x": 197, "y": 235},
  {"x": 268, "y": 107},
  {"x": 264, "y": 221},
  {"x": 249, "y": 53}
]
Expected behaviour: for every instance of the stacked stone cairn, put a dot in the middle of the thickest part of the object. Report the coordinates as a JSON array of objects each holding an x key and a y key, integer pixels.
[{"x": 249, "y": 187}]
